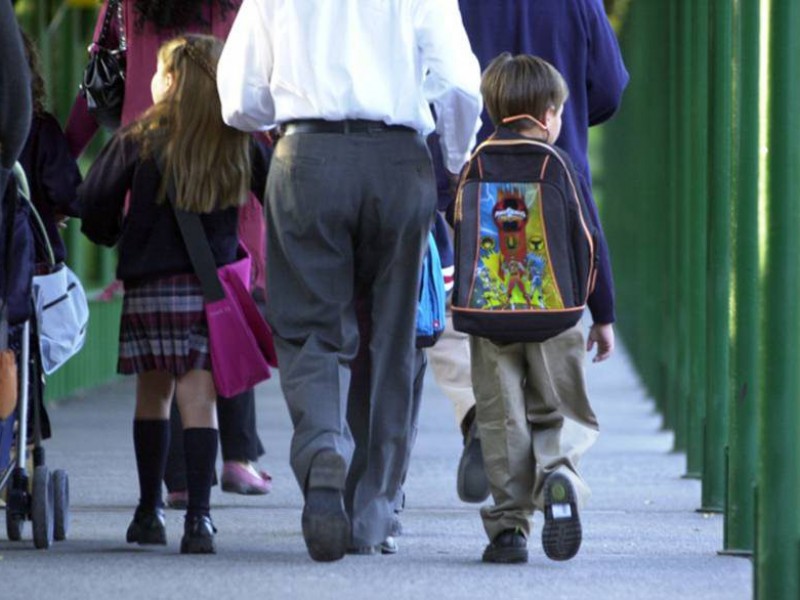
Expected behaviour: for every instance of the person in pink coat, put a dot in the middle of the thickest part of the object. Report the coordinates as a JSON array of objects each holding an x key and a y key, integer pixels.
[{"x": 148, "y": 24}]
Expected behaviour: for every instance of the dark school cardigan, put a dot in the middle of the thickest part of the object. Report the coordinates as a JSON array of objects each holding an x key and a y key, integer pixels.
[{"x": 150, "y": 243}]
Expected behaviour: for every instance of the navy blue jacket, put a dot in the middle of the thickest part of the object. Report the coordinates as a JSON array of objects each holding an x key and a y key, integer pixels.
[
  {"x": 574, "y": 36},
  {"x": 53, "y": 177}
]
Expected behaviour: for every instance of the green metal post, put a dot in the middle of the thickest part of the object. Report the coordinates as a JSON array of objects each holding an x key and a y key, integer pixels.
[
  {"x": 698, "y": 219},
  {"x": 678, "y": 204},
  {"x": 673, "y": 408},
  {"x": 778, "y": 552},
  {"x": 719, "y": 255},
  {"x": 778, "y": 520},
  {"x": 739, "y": 511}
]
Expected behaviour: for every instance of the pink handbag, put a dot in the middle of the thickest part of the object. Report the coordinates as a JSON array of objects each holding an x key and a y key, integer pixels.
[{"x": 240, "y": 341}]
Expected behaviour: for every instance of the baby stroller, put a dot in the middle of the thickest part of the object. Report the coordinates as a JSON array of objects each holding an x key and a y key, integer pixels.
[{"x": 45, "y": 500}]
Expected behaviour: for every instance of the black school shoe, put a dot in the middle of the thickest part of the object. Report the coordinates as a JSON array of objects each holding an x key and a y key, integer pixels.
[
  {"x": 561, "y": 535},
  {"x": 147, "y": 528},
  {"x": 198, "y": 535},
  {"x": 326, "y": 526},
  {"x": 509, "y": 547},
  {"x": 471, "y": 482}
]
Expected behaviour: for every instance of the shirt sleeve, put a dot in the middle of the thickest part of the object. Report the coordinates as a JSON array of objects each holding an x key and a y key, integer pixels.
[
  {"x": 606, "y": 76},
  {"x": 453, "y": 80},
  {"x": 245, "y": 68},
  {"x": 15, "y": 89}
]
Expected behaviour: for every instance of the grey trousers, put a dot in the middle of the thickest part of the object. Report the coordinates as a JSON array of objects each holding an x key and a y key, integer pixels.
[
  {"x": 348, "y": 213},
  {"x": 358, "y": 407}
]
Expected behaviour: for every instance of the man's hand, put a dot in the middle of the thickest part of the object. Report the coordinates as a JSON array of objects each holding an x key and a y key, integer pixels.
[{"x": 603, "y": 336}]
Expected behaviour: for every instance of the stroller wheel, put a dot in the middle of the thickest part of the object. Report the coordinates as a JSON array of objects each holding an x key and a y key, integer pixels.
[
  {"x": 61, "y": 505},
  {"x": 14, "y": 526},
  {"x": 42, "y": 508}
]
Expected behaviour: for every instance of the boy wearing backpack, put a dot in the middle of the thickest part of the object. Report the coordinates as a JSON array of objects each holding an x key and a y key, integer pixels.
[{"x": 525, "y": 267}]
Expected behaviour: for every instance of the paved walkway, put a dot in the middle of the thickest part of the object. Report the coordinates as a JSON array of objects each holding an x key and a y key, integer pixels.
[{"x": 642, "y": 537}]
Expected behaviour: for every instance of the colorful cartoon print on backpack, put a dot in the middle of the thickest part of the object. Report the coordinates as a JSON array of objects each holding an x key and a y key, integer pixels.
[{"x": 514, "y": 270}]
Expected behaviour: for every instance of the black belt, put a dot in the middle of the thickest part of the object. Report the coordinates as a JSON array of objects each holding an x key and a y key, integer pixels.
[{"x": 344, "y": 127}]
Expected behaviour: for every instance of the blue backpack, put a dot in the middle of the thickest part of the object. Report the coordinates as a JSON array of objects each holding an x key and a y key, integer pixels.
[{"x": 431, "y": 307}]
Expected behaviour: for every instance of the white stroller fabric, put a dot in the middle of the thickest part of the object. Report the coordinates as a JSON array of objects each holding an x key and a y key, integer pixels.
[
  {"x": 62, "y": 310},
  {"x": 63, "y": 313}
]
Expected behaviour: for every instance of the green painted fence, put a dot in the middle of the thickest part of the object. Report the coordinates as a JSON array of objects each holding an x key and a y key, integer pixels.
[{"x": 702, "y": 212}]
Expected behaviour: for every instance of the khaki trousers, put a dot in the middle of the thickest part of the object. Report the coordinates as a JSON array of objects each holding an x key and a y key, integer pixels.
[
  {"x": 450, "y": 362},
  {"x": 534, "y": 418}
]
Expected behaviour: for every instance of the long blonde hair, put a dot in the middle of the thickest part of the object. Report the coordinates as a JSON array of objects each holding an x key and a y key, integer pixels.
[{"x": 208, "y": 161}]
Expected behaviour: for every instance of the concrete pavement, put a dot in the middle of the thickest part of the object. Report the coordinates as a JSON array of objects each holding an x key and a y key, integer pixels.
[{"x": 642, "y": 537}]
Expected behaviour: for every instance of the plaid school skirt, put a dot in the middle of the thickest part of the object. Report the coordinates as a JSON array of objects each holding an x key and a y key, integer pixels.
[{"x": 163, "y": 327}]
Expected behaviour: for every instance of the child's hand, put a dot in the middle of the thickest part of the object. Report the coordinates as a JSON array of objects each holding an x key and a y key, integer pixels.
[{"x": 603, "y": 335}]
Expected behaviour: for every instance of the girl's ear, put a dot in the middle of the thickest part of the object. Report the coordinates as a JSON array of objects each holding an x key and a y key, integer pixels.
[{"x": 168, "y": 81}]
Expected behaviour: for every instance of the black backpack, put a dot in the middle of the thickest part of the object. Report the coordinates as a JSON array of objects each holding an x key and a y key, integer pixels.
[{"x": 525, "y": 243}]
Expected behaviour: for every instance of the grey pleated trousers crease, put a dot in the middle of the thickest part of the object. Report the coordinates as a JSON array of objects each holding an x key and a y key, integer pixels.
[{"x": 348, "y": 212}]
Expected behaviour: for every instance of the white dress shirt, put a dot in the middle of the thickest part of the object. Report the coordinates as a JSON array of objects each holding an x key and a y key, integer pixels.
[{"x": 382, "y": 60}]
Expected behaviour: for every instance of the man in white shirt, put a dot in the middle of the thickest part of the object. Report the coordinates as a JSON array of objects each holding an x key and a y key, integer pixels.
[{"x": 350, "y": 201}]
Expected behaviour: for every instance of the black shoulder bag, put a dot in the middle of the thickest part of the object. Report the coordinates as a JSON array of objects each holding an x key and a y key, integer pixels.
[{"x": 104, "y": 76}]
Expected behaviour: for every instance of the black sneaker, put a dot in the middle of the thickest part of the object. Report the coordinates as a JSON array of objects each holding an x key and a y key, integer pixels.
[
  {"x": 510, "y": 546},
  {"x": 561, "y": 535},
  {"x": 471, "y": 483},
  {"x": 147, "y": 528},
  {"x": 198, "y": 535}
]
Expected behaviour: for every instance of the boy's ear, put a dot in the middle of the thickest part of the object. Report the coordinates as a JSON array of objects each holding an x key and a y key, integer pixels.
[{"x": 550, "y": 115}]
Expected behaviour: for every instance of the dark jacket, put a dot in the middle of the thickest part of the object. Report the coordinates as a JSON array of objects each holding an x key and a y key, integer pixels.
[
  {"x": 15, "y": 89},
  {"x": 53, "y": 177},
  {"x": 574, "y": 36},
  {"x": 150, "y": 243},
  {"x": 16, "y": 271},
  {"x": 15, "y": 115}
]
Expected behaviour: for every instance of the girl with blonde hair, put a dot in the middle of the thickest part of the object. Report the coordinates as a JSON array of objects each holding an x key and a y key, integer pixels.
[{"x": 163, "y": 330}]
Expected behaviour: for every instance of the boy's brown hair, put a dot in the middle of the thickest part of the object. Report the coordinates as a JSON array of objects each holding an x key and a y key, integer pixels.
[{"x": 521, "y": 85}]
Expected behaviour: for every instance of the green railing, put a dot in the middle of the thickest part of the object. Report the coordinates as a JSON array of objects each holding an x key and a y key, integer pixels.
[
  {"x": 62, "y": 31},
  {"x": 706, "y": 254}
]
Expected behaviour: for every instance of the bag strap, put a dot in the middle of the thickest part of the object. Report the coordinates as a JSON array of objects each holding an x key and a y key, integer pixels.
[
  {"x": 113, "y": 6},
  {"x": 45, "y": 238},
  {"x": 35, "y": 188},
  {"x": 196, "y": 241}
]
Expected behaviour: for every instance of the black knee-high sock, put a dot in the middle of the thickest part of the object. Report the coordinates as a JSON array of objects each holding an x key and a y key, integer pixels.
[
  {"x": 200, "y": 447},
  {"x": 151, "y": 444}
]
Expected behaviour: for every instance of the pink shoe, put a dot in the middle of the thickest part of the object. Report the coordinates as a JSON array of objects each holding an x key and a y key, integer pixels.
[
  {"x": 178, "y": 500},
  {"x": 244, "y": 479}
]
